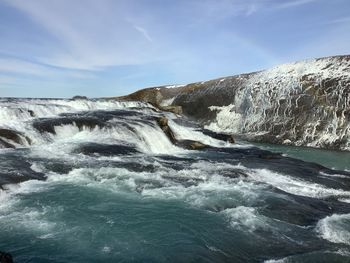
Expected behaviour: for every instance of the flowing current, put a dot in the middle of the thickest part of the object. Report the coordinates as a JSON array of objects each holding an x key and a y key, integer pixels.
[{"x": 99, "y": 181}]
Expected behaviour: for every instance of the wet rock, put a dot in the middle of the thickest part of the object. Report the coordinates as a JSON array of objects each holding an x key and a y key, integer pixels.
[
  {"x": 4, "y": 144},
  {"x": 32, "y": 114},
  {"x": 197, "y": 145},
  {"x": 105, "y": 149},
  {"x": 301, "y": 103},
  {"x": 5, "y": 257},
  {"x": 16, "y": 137},
  {"x": 162, "y": 121},
  {"x": 15, "y": 168},
  {"x": 219, "y": 136},
  {"x": 78, "y": 97},
  {"x": 10, "y": 135},
  {"x": 174, "y": 109},
  {"x": 48, "y": 125},
  {"x": 163, "y": 124},
  {"x": 187, "y": 144},
  {"x": 191, "y": 145}
]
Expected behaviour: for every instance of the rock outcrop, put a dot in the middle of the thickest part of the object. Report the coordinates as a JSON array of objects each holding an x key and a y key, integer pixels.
[
  {"x": 163, "y": 124},
  {"x": 187, "y": 144},
  {"x": 48, "y": 125},
  {"x": 9, "y": 138},
  {"x": 190, "y": 144},
  {"x": 304, "y": 103},
  {"x": 79, "y": 97}
]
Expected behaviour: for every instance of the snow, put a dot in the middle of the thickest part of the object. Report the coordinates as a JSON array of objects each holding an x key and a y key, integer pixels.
[{"x": 175, "y": 86}]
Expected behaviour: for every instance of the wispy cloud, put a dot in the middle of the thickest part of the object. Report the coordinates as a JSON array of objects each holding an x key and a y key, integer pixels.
[
  {"x": 89, "y": 36},
  {"x": 211, "y": 10},
  {"x": 107, "y": 42},
  {"x": 25, "y": 68},
  {"x": 100, "y": 34},
  {"x": 9, "y": 65},
  {"x": 144, "y": 32},
  {"x": 339, "y": 20},
  {"x": 294, "y": 3}
]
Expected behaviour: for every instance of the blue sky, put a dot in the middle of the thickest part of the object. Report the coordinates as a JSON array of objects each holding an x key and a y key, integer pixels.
[{"x": 61, "y": 48}]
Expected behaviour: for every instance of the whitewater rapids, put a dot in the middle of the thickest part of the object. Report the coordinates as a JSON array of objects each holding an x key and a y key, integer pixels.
[{"x": 99, "y": 181}]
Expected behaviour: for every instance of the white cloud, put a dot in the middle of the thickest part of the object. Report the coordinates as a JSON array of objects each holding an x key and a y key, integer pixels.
[
  {"x": 90, "y": 34},
  {"x": 339, "y": 21},
  {"x": 17, "y": 66},
  {"x": 23, "y": 67},
  {"x": 294, "y": 3},
  {"x": 220, "y": 9},
  {"x": 144, "y": 32}
]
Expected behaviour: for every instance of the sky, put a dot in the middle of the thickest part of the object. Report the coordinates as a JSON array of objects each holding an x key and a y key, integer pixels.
[{"x": 99, "y": 48}]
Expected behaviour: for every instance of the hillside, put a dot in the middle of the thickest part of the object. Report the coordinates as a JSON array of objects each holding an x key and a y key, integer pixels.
[{"x": 303, "y": 103}]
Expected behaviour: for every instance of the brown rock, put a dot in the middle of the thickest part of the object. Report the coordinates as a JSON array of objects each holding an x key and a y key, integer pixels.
[
  {"x": 163, "y": 124},
  {"x": 173, "y": 109},
  {"x": 162, "y": 121},
  {"x": 15, "y": 136},
  {"x": 197, "y": 146}
]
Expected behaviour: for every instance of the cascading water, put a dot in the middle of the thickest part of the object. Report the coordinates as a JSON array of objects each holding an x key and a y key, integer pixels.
[
  {"x": 300, "y": 103},
  {"x": 99, "y": 181},
  {"x": 306, "y": 103}
]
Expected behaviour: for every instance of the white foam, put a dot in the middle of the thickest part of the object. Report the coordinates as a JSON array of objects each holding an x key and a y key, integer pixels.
[
  {"x": 17, "y": 115},
  {"x": 10, "y": 111},
  {"x": 187, "y": 133},
  {"x": 295, "y": 186},
  {"x": 227, "y": 119},
  {"x": 335, "y": 228},
  {"x": 247, "y": 218},
  {"x": 283, "y": 260},
  {"x": 14, "y": 215},
  {"x": 199, "y": 187},
  {"x": 145, "y": 137},
  {"x": 155, "y": 141},
  {"x": 335, "y": 175},
  {"x": 106, "y": 249},
  {"x": 345, "y": 200}
]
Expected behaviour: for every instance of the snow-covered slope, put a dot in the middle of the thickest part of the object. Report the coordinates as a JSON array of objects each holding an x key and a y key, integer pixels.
[{"x": 303, "y": 103}]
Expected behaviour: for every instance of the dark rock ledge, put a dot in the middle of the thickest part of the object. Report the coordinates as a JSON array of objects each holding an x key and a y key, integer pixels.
[
  {"x": 8, "y": 138},
  {"x": 190, "y": 144}
]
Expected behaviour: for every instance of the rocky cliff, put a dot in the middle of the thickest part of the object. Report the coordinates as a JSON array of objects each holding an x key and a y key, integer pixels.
[{"x": 303, "y": 103}]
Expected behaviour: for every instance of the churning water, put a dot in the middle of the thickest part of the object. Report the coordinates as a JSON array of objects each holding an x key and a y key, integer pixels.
[{"x": 99, "y": 181}]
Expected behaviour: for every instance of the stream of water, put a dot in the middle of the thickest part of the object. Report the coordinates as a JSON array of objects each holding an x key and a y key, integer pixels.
[{"x": 99, "y": 181}]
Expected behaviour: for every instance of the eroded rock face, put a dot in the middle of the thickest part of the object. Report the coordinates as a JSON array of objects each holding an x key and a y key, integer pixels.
[{"x": 304, "y": 103}]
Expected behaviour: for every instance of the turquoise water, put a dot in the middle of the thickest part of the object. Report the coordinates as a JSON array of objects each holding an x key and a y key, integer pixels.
[
  {"x": 331, "y": 159},
  {"x": 79, "y": 224},
  {"x": 104, "y": 184},
  {"x": 114, "y": 215}
]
